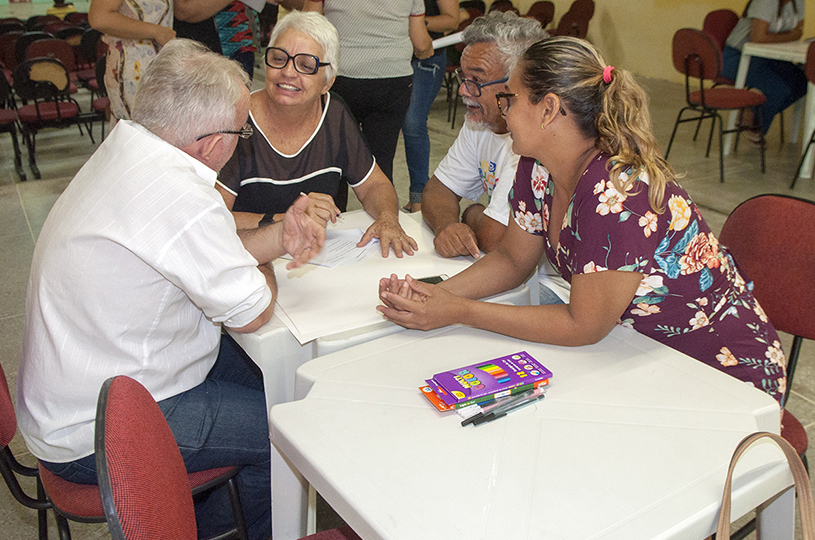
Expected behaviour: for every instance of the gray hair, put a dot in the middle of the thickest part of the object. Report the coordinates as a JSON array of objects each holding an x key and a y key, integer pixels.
[
  {"x": 187, "y": 91},
  {"x": 511, "y": 34},
  {"x": 318, "y": 28}
]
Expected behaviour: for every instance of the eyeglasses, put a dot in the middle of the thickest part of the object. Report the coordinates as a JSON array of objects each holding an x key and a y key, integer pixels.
[
  {"x": 474, "y": 88},
  {"x": 504, "y": 102},
  {"x": 307, "y": 64},
  {"x": 244, "y": 133}
]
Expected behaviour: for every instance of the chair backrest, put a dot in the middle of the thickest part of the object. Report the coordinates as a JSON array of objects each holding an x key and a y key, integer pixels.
[
  {"x": 21, "y": 45},
  {"x": 772, "y": 239},
  {"x": 810, "y": 65},
  {"x": 142, "y": 479},
  {"x": 11, "y": 27},
  {"x": 584, "y": 8},
  {"x": 573, "y": 24},
  {"x": 502, "y": 5},
  {"x": 718, "y": 25},
  {"x": 8, "y": 43},
  {"x": 37, "y": 22},
  {"x": 696, "y": 55},
  {"x": 71, "y": 34},
  {"x": 543, "y": 11},
  {"x": 76, "y": 18},
  {"x": 8, "y": 418},
  {"x": 41, "y": 79},
  {"x": 53, "y": 48}
]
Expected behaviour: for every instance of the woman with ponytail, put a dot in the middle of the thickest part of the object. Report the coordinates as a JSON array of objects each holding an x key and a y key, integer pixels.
[{"x": 595, "y": 195}]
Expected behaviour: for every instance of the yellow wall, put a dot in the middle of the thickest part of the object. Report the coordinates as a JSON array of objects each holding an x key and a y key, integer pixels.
[{"x": 637, "y": 34}]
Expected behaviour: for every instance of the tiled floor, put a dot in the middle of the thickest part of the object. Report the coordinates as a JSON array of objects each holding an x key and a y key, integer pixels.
[{"x": 24, "y": 206}]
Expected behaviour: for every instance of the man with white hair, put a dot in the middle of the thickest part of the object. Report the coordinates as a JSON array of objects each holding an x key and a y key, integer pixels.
[
  {"x": 481, "y": 159},
  {"x": 137, "y": 269}
]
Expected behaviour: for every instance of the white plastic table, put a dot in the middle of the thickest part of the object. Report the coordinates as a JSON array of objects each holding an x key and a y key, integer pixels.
[
  {"x": 275, "y": 349},
  {"x": 632, "y": 441},
  {"x": 793, "y": 51}
]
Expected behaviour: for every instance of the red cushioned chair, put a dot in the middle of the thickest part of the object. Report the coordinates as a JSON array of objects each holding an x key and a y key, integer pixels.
[
  {"x": 11, "y": 469},
  {"x": 810, "y": 72},
  {"x": 45, "y": 84},
  {"x": 772, "y": 239},
  {"x": 142, "y": 477},
  {"x": 697, "y": 57},
  {"x": 8, "y": 123},
  {"x": 543, "y": 12}
]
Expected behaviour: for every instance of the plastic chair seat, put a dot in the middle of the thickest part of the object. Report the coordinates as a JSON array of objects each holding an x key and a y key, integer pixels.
[
  {"x": 49, "y": 111},
  {"x": 794, "y": 433},
  {"x": 78, "y": 500},
  {"x": 7, "y": 117},
  {"x": 728, "y": 98}
]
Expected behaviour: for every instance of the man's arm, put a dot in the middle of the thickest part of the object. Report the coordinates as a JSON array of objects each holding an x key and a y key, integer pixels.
[
  {"x": 487, "y": 230},
  {"x": 440, "y": 208},
  {"x": 263, "y": 318}
]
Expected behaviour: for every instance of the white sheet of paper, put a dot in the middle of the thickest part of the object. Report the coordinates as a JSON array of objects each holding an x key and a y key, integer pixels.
[
  {"x": 316, "y": 301},
  {"x": 341, "y": 248}
]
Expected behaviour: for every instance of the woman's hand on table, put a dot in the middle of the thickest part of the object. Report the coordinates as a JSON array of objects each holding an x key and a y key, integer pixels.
[
  {"x": 302, "y": 236},
  {"x": 390, "y": 235},
  {"x": 417, "y": 305},
  {"x": 321, "y": 208}
]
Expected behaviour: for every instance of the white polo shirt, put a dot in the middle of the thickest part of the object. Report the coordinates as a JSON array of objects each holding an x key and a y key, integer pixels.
[{"x": 137, "y": 266}]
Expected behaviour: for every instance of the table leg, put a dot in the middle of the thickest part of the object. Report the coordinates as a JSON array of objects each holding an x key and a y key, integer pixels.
[
  {"x": 809, "y": 127},
  {"x": 775, "y": 519},
  {"x": 741, "y": 77},
  {"x": 289, "y": 499}
]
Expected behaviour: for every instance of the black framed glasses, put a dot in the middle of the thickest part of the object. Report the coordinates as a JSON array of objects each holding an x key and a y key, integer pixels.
[
  {"x": 307, "y": 64},
  {"x": 474, "y": 88},
  {"x": 504, "y": 100},
  {"x": 244, "y": 133}
]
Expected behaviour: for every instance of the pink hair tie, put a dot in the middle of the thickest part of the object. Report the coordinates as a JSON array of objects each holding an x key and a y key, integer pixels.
[{"x": 607, "y": 74}]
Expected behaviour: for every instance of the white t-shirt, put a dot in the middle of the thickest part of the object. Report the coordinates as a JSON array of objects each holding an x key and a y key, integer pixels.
[
  {"x": 137, "y": 265},
  {"x": 479, "y": 162}
]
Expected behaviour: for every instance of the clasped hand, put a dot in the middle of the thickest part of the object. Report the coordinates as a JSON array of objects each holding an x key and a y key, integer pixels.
[{"x": 415, "y": 304}]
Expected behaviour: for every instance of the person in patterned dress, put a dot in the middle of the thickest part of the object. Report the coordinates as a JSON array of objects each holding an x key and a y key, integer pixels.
[
  {"x": 134, "y": 32},
  {"x": 628, "y": 238}
]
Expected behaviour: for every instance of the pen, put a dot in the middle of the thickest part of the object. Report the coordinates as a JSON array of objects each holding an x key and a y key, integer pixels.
[
  {"x": 494, "y": 406},
  {"x": 339, "y": 214},
  {"x": 515, "y": 405}
]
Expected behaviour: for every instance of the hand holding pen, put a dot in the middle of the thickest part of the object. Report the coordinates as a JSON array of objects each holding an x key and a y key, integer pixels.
[{"x": 321, "y": 208}]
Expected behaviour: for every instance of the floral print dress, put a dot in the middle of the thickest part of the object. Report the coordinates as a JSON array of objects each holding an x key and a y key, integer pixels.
[
  {"x": 691, "y": 297},
  {"x": 128, "y": 58}
]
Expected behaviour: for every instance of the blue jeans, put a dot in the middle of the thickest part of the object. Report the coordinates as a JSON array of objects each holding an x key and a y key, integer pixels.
[
  {"x": 782, "y": 83},
  {"x": 221, "y": 422},
  {"x": 428, "y": 76}
]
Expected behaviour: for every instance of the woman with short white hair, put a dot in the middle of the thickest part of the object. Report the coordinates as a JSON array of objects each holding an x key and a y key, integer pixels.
[{"x": 307, "y": 141}]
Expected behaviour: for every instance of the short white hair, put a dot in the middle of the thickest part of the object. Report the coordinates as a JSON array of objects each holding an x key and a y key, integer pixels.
[
  {"x": 187, "y": 91},
  {"x": 318, "y": 28},
  {"x": 511, "y": 34}
]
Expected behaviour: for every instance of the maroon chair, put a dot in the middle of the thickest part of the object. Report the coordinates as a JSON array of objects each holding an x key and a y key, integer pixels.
[
  {"x": 502, "y": 5},
  {"x": 11, "y": 469},
  {"x": 141, "y": 473},
  {"x": 76, "y": 18},
  {"x": 718, "y": 24},
  {"x": 584, "y": 8},
  {"x": 573, "y": 24},
  {"x": 44, "y": 84},
  {"x": 8, "y": 123},
  {"x": 8, "y": 45},
  {"x": 543, "y": 11},
  {"x": 697, "y": 57},
  {"x": 810, "y": 72},
  {"x": 772, "y": 239}
]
